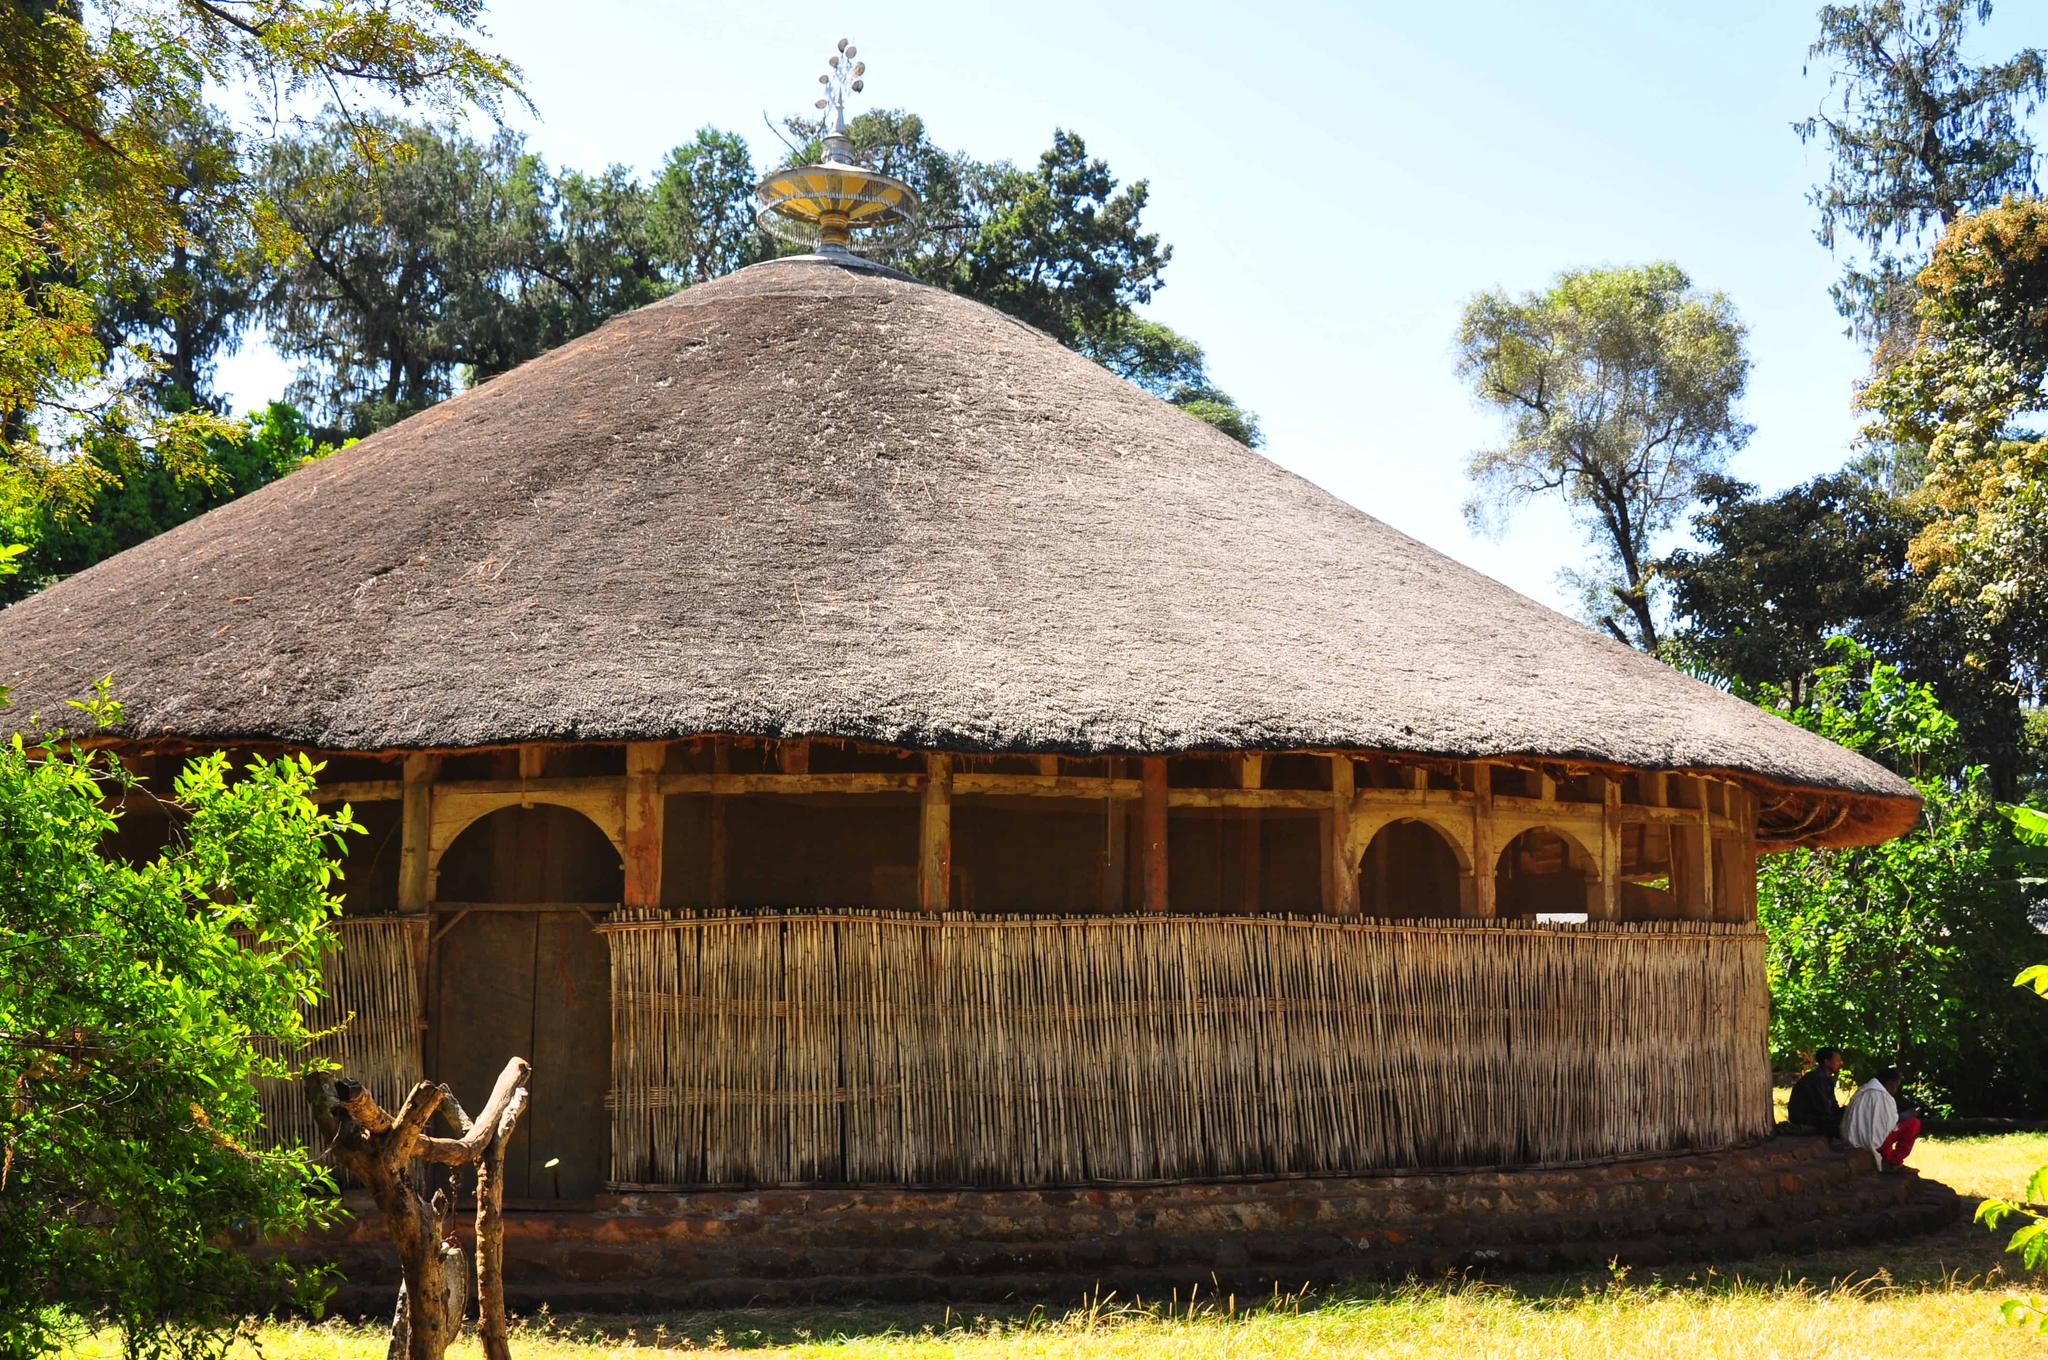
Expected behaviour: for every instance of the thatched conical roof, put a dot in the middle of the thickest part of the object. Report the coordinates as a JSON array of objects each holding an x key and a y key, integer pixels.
[{"x": 816, "y": 499}]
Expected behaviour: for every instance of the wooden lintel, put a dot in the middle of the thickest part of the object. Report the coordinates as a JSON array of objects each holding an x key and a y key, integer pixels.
[
  {"x": 726, "y": 783},
  {"x": 1042, "y": 785},
  {"x": 935, "y": 835},
  {"x": 1152, "y": 830},
  {"x": 360, "y": 791}
]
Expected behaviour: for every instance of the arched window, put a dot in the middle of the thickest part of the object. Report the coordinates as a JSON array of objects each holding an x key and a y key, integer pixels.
[
  {"x": 1410, "y": 870},
  {"x": 1543, "y": 874}
]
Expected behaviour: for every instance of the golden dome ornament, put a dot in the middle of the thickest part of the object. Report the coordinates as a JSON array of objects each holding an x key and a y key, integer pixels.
[{"x": 838, "y": 206}]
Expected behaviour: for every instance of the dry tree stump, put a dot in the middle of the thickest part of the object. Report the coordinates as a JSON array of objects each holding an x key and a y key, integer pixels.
[{"x": 377, "y": 1148}]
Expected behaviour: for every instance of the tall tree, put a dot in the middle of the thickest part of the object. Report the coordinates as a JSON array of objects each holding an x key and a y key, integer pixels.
[
  {"x": 701, "y": 218},
  {"x": 1970, "y": 390},
  {"x": 1775, "y": 579},
  {"x": 459, "y": 254},
  {"x": 1619, "y": 391},
  {"x": 176, "y": 317},
  {"x": 1920, "y": 136},
  {"x": 94, "y": 98}
]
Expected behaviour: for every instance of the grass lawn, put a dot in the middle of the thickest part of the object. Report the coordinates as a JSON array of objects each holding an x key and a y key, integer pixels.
[{"x": 1931, "y": 1298}]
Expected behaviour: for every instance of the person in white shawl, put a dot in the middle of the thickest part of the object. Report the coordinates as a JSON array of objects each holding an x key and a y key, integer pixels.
[{"x": 1872, "y": 1121}]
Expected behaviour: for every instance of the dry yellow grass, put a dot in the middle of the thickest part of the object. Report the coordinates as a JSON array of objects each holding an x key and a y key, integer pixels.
[{"x": 1933, "y": 1298}]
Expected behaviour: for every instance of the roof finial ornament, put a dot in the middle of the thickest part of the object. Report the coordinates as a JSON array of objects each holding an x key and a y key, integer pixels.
[{"x": 824, "y": 205}]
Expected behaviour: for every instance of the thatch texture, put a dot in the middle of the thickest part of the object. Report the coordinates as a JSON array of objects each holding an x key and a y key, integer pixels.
[
  {"x": 863, "y": 1048},
  {"x": 809, "y": 499}
]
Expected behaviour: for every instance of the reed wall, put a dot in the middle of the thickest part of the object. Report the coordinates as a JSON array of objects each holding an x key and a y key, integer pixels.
[
  {"x": 883, "y": 1049},
  {"x": 372, "y": 1007}
]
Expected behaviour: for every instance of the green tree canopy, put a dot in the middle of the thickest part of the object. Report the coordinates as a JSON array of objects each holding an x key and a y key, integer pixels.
[
  {"x": 1618, "y": 388},
  {"x": 1919, "y": 136},
  {"x": 1899, "y": 952},
  {"x": 701, "y": 219},
  {"x": 138, "y": 1000},
  {"x": 102, "y": 109}
]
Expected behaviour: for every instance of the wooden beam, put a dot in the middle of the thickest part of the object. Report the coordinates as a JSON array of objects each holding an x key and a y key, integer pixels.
[
  {"x": 533, "y": 763},
  {"x": 360, "y": 791},
  {"x": 644, "y": 822},
  {"x": 1483, "y": 848},
  {"x": 935, "y": 835},
  {"x": 722, "y": 782},
  {"x": 416, "y": 833},
  {"x": 1049, "y": 765},
  {"x": 1152, "y": 830},
  {"x": 985, "y": 783},
  {"x": 1340, "y": 879},
  {"x": 796, "y": 755}
]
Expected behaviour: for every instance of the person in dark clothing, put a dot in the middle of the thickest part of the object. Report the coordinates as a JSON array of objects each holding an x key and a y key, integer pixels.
[{"x": 1813, "y": 1105}]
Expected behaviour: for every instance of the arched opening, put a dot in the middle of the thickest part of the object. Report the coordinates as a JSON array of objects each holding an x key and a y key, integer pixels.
[
  {"x": 1543, "y": 874},
  {"x": 1410, "y": 870},
  {"x": 519, "y": 969}
]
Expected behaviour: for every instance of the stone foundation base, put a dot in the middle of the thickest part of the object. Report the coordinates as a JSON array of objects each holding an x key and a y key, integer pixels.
[{"x": 650, "y": 1251}]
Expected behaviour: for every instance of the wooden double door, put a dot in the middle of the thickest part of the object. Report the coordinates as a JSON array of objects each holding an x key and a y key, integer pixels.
[{"x": 535, "y": 984}]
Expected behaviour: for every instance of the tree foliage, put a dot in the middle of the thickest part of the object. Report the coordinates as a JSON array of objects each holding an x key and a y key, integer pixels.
[
  {"x": 101, "y": 107},
  {"x": 1887, "y": 951},
  {"x": 1919, "y": 136},
  {"x": 138, "y": 999},
  {"x": 701, "y": 218},
  {"x": 1619, "y": 391},
  {"x": 114, "y": 495},
  {"x": 1965, "y": 391}
]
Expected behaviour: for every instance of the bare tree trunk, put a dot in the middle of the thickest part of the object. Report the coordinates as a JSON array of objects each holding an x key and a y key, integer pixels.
[
  {"x": 376, "y": 1148},
  {"x": 490, "y": 1236}
]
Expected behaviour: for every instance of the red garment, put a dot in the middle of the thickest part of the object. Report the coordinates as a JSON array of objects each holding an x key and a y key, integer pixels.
[{"x": 1895, "y": 1148}]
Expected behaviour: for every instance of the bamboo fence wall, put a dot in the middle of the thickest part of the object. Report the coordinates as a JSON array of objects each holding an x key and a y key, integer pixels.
[
  {"x": 871, "y": 1048},
  {"x": 373, "y": 995}
]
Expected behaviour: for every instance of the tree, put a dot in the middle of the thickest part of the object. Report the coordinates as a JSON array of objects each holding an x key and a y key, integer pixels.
[
  {"x": 1920, "y": 136},
  {"x": 175, "y": 317},
  {"x": 115, "y": 494},
  {"x": 1173, "y": 368},
  {"x": 1619, "y": 389},
  {"x": 1886, "y": 950},
  {"x": 459, "y": 254},
  {"x": 95, "y": 101},
  {"x": 138, "y": 999},
  {"x": 1774, "y": 578},
  {"x": 1963, "y": 390},
  {"x": 701, "y": 218}
]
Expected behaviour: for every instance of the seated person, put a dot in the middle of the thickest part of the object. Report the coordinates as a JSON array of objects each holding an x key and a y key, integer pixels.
[
  {"x": 1813, "y": 1105},
  {"x": 1873, "y": 1122}
]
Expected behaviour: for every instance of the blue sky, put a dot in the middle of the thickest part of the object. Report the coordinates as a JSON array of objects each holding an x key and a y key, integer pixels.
[{"x": 1335, "y": 180}]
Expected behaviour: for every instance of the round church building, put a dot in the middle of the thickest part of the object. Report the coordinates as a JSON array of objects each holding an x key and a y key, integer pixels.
[{"x": 940, "y": 820}]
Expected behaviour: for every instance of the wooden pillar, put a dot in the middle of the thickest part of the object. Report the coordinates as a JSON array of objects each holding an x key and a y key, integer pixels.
[
  {"x": 796, "y": 755},
  {"x": 416, "y": 832},
  {"x": 1692, "y": 851},
  {"x": 1152, "y": 829},
  {"x": 715, "y": 885},
  {"x": 644, "y": 822},
  {"x": 1251, "y": 774},
  {"x": 1610, "y": 850},
  {"x": 1483, "y": 849},
  {"x": 935, "y": 835},
  {"x": 1340, "y": 877}
]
